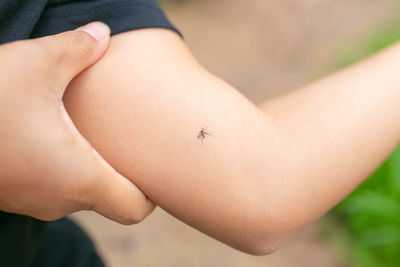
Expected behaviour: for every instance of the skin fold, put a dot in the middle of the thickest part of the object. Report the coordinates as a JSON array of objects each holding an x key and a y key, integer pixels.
[{"x": 267, "y": 170}]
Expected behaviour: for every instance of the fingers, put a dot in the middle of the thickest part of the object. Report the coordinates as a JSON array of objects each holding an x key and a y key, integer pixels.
[
  {"x": 67, "y": 54},
  {"x": 64, "y": 56},
  {"x": 117, "y": 198},
  {"x": 109, "y": 193}
]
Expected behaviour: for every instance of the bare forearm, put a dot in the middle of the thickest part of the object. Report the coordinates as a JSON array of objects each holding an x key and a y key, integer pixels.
[
  {"x": 263, "y": 173},
  {"x": 333, "y": 134}
]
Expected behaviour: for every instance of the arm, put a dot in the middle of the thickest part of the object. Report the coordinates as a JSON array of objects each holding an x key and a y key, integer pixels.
[
  {"x": 47, "y": 169},
  {"x": 267, "y": 171}
]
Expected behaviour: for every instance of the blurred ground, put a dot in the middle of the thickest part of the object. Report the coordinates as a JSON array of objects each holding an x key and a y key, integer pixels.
[{"x": 264, "y": 48}]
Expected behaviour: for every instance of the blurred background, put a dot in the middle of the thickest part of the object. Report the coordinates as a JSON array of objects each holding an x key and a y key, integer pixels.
[{"x": 267, "y": 48}]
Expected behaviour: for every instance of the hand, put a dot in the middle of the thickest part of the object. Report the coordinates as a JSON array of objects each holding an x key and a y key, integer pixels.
[{"x": 47, "y": 169}]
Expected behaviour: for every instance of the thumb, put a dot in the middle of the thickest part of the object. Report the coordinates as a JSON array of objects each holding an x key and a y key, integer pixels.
[{"x": 69, "y": 53}]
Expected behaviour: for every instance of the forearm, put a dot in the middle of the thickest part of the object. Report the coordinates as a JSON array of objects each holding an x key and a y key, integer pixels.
[
  {"x": 333, "y": 134},
  {"x": 265, "y": 172}
]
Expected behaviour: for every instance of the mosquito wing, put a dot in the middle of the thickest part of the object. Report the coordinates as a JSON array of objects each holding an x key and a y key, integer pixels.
[{"x": 208, "y": 134}]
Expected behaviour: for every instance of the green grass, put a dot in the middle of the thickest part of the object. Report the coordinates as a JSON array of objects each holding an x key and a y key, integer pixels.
[
  {"x": 371, "y": 214},
  {"x": 375, "y": 42}
]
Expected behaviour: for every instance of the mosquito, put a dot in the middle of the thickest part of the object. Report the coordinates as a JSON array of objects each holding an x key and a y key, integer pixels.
[{"x": 202, "y": 134}]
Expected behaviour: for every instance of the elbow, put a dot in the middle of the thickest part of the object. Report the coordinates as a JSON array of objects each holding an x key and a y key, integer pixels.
[
  {"x": 264, "y": 249},
  {"x": 260, "y": 246},
  {"x": 266, "y": 226},
  {"x": 265, "y": 234},
  {"x": 260, "y": 241}
]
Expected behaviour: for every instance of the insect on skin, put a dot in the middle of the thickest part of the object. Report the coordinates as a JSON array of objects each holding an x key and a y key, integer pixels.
[{"x": 202, "y": 134}]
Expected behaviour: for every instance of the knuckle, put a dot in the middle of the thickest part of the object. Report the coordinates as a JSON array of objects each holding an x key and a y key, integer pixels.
[
  {"x": 40, "y": 52},
  {"x": 87, "y": 193},
  {"x": 131, "y": 220},
  {"x": 79, "y": 192},
  {"x": 83, "y": 194},
  {"x": 47, "y": 215},
  {"x": 39, "y": 48},
  {"x": 139, "y": 217},
  {"x": 136, "y": 217},
  {"x": 82, "y": 44}
]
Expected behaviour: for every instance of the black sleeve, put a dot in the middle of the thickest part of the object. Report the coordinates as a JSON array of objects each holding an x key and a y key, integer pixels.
[
  {"x": 120, "y": 15},
  {"x": 21, "y": 236},
  {"x": 20, "y": 239}
]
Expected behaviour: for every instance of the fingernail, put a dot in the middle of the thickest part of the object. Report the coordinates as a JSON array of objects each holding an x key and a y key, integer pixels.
[{"x": 98, "y": 30}]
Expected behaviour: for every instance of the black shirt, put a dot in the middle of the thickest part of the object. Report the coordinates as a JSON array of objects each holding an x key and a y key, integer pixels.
[
  {"x": 21, "y": 237},
  {"x": 23, "y": 19}
]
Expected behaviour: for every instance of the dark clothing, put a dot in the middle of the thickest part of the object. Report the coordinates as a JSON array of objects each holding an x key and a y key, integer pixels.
[
  {"x": 25, "y": 241},
  {"x": 64, "y": 245},
  {"x": 23, "y": 19},
  {"x": 20, "y": 239}
]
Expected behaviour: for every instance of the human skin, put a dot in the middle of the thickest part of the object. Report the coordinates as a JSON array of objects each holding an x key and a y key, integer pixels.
[
  {"x": 47, "y": 169},
  {"x": 267, "y": 170}
]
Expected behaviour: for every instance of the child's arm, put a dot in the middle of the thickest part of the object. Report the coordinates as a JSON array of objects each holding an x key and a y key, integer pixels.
[{"x": 264, "y": 172}]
